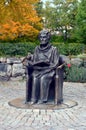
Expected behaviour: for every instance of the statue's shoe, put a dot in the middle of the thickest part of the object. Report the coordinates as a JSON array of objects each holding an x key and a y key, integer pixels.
[
  {"x": 33, "y": 102},
  {"x": 60, "y": 101},
  {"x": 42, "y": 102}
]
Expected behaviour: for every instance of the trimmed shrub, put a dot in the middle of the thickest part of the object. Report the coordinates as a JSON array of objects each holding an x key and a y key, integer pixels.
[
  {"x": 70, "y": 48},
  {"x": 16, "y": 49},
  {"x": 22, "y": 48}
]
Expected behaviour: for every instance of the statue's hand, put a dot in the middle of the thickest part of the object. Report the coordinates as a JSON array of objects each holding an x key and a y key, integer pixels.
[
  {"x": 59, "y": 67},
  {"x": 29, "y": 56},
  {"x": 47, "y": 61},
  {"x": 25, "y": 63},
  {"x": 30, "y": 63}
]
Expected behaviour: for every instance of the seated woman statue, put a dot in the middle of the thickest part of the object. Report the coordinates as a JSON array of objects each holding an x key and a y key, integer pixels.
[{"x": 43, "y": 64}]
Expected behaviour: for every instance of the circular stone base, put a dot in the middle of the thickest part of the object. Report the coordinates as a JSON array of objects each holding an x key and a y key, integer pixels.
[{"x": 20, "y": 103}]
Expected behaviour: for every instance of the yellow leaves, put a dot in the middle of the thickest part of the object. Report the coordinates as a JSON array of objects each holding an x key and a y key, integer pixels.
[
  {"x": 29, "y": 31},
  {"x": 35, "y": 19},
  {"x": 6, "y": 26},
  {"x": 19, "y": 18},
  {"x": 15, "y": 29}
]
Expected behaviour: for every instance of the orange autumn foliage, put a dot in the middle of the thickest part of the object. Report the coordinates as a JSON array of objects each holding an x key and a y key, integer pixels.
[{"x": 19, "y": 18}]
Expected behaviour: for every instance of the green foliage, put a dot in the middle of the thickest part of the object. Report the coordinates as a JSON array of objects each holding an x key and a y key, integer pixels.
[
  {"x": 55, "y": 39},
  {"x": 75, "y": 48},
  {"x": 39, "y": 8},
  {"x": 75, "y": 74},
  {"x": 80, "y": 29},
  {"x": 16, "y": 49},
  {"x": 22, "y": 48},
  {"x": 71, "y": 48},
  {"x": 61, "y": 16}
]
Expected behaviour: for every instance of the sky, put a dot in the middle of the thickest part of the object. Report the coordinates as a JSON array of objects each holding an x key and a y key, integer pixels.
[{"x": 45, "y": 0}]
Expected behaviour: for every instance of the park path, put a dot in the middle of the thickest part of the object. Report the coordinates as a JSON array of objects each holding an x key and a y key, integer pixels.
[{"x": 12, "y": 118}]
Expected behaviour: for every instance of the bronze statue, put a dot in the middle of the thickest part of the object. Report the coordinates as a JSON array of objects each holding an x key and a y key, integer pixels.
[{"x": 41, "y": 70}]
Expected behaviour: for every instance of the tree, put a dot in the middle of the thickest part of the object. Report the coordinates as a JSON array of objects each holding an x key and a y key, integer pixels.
[
  {"x": 39, "y": 8},
  {"x": 80, "y": 29},
  {"x": 18, "y": 18},
  {"x": 60, "y": 15}
]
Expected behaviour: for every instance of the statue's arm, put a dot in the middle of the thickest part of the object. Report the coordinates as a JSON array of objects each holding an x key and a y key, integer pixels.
[
  {"x": 62, "y": 63},
  {"x": 55, "y": 59},
  {"x": 28, "y": 59}
]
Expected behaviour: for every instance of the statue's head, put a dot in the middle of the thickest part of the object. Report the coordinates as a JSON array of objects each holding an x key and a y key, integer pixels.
[{"x": 44, "y": 37}]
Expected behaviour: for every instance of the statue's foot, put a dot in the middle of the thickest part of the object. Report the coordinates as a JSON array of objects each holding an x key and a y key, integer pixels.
[
  {"x": 26, "y": 102},
  {"x": 42, "y": 102},
  {"x": 60, "y": 101},
  {"x": 33, "y": 102}
]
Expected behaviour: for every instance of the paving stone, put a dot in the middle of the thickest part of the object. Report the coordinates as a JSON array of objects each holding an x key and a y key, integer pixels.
[
  {"x": 34, "y": 119},
  {"x": 71, "y": 129}
]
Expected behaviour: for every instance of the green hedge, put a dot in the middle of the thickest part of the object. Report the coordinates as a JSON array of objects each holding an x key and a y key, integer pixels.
[
  {"x": 16, "y": 49},
  {"x": 21, "y": 49},
  {"x": 70, "y": 48},
  {"x": 75, "y": 74}
]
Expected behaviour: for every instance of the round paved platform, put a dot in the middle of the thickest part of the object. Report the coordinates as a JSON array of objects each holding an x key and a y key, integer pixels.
[
  {"x": 20, "y": 103},
  {"x": 12, "y": 118}
]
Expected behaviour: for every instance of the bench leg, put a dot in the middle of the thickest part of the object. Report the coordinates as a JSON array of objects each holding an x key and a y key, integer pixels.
[
  {"x": 56, "y": 89},
  {"x": 28, "y": 90}
]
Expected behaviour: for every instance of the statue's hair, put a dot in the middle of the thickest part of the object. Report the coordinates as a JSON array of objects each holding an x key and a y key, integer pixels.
[{"x": 45, "y": 32}]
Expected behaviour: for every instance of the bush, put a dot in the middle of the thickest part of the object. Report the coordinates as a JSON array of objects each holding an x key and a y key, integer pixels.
[
  {"x": 70, "y": 48},
  {"x": 16, "y": 49},
  {"x": 13, "y": 49},
  {"x": 67, "y": 48},
  {"x": 55, "y": 38},
  {"x": 75, "y": 74}
]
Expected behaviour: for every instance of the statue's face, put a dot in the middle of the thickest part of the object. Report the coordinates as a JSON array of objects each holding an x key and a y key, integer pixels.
[{"x": 43, "y": 39}]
